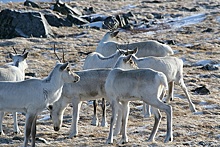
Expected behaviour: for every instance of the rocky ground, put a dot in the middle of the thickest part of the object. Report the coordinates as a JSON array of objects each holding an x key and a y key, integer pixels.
[{"x": 196, "y": 43}]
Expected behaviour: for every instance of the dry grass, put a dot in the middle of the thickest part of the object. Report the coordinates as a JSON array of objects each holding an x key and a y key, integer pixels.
[{"x": 188, "y": 129}]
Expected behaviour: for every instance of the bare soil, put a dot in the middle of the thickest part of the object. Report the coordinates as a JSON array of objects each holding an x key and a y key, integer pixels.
[{"x": 192, "y": 43}]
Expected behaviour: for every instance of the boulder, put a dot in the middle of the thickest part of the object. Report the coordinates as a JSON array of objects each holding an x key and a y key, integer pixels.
[
  {"x": 23, "y": 24},
  {"x": 76, "y": 20},
  {"x": 56, "y": 20},
  {"x": 31, "y": 4},
  {"x": 65, "y": 9},
  {"x": 201, "y": 90}
]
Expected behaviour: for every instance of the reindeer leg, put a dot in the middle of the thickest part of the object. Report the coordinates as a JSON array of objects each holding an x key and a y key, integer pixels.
[
  {"x": 169, "y": 96},
  {"x": 125, "y": 113},
  {"x": 157, "y": 118},
  {"x": 104, "y": 122},
  {"x": 16, "y": 128},
  {"x": 146, "y": 110},
  {"x": 95, "y": 120},
  {"x": 28, "y": 127},
  {"x": 2, "y": 113},
  {"x": 114, "y": 106},
  {"x": 157, "y": 103},
  {"x": 118, "y": 122},
  {"x": 75, "y": 119},
  {"x": 33, "y": 132},
  {"x": 191, "y": 105}
]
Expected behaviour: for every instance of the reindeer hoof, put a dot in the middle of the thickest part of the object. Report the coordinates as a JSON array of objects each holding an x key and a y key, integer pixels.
[
  {"x": 72, "y": 135},
  {"x": 168, "y": 139},
  {"x": 104, "y": 124},
  {"x": 123, "y": 141},
  {"x": 193, "y": 109},
  {"x": 109, "y": 141}
]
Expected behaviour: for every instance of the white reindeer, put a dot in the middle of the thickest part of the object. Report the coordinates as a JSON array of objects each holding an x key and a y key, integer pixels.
[
  {"x": 123, "y": 86},
  {"x": 172, "y": 67},
  {"x": 90, "y": 87},
  {"x": 34, "y": 95},
  {"x": 95, "y": 60},
  {"x": 14, "y": 71},
  {"x": 108, "y": 46}
]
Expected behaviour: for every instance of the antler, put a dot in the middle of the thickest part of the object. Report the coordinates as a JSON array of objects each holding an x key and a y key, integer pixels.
[
  {"x": 24, "y": 51},
  {"x": 61, "y": 60},
  {"x": 63, "y": 56},
  {"x": 14, "y": 50},
  {"x": 56, "y": 53}
]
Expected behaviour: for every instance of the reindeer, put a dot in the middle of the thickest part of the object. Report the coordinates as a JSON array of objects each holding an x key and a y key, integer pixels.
[
  {"x": 172, "y": 67},
  {"x": 96, "y": 60},
  {"x": 108, "y": 46},
  {"x": 14, "y": 71},
  {"x": 33, "y": 95},
  {"x": 90, "y": 87},
  {"x": 125, "y": 84}
]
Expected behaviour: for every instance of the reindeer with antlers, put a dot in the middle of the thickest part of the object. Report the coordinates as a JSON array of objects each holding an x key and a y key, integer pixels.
[
  {"x": 14, "y": 71},
  {"x": 33, "y": 95},
  {"x": 109, "y": 43}
]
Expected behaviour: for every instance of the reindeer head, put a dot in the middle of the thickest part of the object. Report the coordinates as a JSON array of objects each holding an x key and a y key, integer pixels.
[
  {"x": 127, "y": 52},
  {"x": 67, "y": 74},
  {"x": 19, "y": 60},
  {"x": 126, "y": 62}
]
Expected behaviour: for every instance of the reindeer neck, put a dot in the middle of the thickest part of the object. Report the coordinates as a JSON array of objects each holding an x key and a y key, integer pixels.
[
  {"x": 22, "y": 66},
  {"x": 54, "y": 79}
]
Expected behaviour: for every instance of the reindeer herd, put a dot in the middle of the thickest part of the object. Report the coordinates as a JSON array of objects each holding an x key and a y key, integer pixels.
[{"x": 118, "y": 73}]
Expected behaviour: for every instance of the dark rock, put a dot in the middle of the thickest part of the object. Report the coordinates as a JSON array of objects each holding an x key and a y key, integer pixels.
[
  {"x": 23, "y": 24},
  {"x": 154, "y": 1},
  {"x": 201, "y": 90},
  {"x": 18, "y": 138},
  {"x": 208, "y": 30},
  {"x": 157, "y": 15},
  {"x": 55, "y": 20},
  {"x": 65, "y": 9},
  {"x": 94, "y": 18},
  {"x": 209, "y": 67},
  {"x": 194, "y": 9},
  {"x": 111, "y": 23},
  {"x": 88, "y": 11},
  {"x": 31, "y": 4},
  {"x": 76, "y": 20},
  {"x": 123, "y": 21},
  {"x": 30, "y": 74},
  {"x": 172, "y": 42},
  {"x": 176, "y": 15},
  {"x": 119, "y": 21}
]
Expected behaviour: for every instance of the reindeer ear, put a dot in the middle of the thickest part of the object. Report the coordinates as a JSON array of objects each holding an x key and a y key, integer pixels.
[
  {"x": 135, "y": 50},
  {"x": 114, "y": 34},
  {"x": 25, "y": 55},
  {"x": 63, "y": 66}
]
